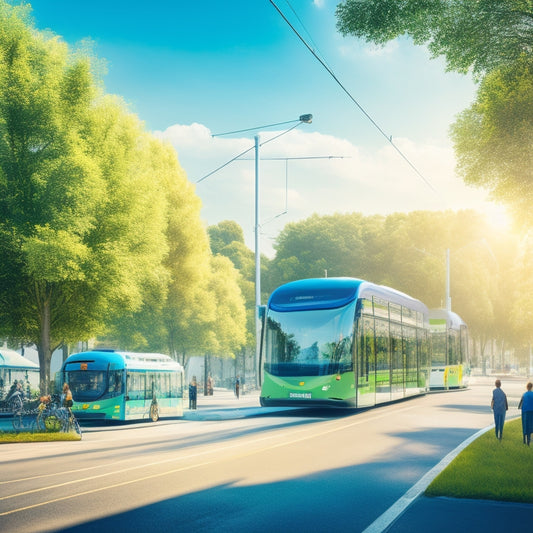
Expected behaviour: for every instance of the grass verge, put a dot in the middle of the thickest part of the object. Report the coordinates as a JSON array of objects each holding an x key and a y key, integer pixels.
[
  {"x": 490, "y": 469},
  {"x": 7, "y": 437}
]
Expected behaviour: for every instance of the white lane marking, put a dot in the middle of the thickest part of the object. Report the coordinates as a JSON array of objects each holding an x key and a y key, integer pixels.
[
  {"x": 335, "y": 424},
  {"x": 394, "y": 511}
]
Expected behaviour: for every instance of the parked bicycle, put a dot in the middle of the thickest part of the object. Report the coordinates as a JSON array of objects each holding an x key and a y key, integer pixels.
[
  {"x": 53, "y": 418},
  {"x": 22, "y": 420}
]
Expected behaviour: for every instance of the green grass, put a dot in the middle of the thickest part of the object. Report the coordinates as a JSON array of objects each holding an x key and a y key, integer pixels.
[
  {"x": 10, "y": 437},
  {"x": 489, "y": 469}
]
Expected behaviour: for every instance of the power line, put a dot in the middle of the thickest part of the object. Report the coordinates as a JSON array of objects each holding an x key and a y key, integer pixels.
[{"x": 374, "y": 123}]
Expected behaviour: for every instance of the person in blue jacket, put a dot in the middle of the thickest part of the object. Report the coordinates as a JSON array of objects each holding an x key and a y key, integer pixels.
[
  {"x": 499, "y": 406},
  {"x": 526, "y": 404}
]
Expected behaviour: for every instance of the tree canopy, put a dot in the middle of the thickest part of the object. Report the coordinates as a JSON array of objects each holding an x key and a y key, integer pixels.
[
  {"x": 480, "y": 36},
  {"x": 494, "y": 40},
  {"x": 407, "y": 251},
  {"x": 98, "y": 223}
]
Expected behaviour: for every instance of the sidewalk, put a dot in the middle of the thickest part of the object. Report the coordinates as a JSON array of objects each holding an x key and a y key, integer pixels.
[{"x": 223, "y": 404}]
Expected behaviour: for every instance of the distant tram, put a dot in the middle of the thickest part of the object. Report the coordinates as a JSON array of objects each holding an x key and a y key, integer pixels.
[
  {"x": 449, "y": 339},
  {"x": 342, "y": 342},
  {"x": 123, "y": 385}
]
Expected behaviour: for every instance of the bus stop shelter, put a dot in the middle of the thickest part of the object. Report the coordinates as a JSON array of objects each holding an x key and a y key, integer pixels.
[{"x": 15, "y": 367}]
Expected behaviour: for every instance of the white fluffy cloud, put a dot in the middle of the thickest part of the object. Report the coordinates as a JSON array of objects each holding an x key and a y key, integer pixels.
[{"x": 378, "y": 182}]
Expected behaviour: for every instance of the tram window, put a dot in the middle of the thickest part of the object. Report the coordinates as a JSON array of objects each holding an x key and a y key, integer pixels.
[
  {"x": 397, "y": 355},
  {"x": 381, "y": 308},
  {"x": 410, "y": 356},
  {"x": 439, "y": 349},
  {"x": 382, "y": 354},
  {"x": 453, "y": 347},
  {"x": 367, "y": 307},
  {"x": 423, "y": 357},
  {"x": 395, "y": 311},
  {"x": 366, "y": 351},
  {"x": 409, "y": 316}
]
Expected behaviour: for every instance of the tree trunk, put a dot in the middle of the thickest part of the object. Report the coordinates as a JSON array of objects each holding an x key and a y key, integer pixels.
[
  {"x": 44, "y": 348},
  {"x": 206, "y": 372}
]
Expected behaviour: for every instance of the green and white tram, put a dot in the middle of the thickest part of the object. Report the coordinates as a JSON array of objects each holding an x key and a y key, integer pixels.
[
  {"x": 342, "y": 342},
  {"x": 449, "y": 339},
  {"x": 112, "y": 385}
]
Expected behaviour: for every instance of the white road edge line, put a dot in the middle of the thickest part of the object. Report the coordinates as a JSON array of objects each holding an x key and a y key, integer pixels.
[{"x": 394, "y": 511}]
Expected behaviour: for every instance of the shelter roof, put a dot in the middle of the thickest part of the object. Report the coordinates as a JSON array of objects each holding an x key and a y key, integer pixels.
[{"x": 11, "y": 359}]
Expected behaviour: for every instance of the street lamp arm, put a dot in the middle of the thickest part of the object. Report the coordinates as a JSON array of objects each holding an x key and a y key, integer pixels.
[
  {"x": 252, "y": 147},
  {"x": 281, "y": 134},
  {"x": 307, "y": 118}
]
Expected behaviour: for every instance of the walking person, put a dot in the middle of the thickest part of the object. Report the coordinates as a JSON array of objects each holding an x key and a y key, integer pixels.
[
  {"x": 66, "y": 396},
  {"x": 499, "y": 406},
  {"x": 193, "y": 393},
  {"x": 237, "y": 387},
  {"x": 526, "y": 404}
]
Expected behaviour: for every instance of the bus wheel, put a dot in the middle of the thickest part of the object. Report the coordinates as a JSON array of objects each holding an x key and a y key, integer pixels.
[{"x": 154, "y": 412}]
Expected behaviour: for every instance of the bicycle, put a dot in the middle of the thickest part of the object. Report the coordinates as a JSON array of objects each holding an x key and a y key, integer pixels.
[
  {"x": 22, "y": 420},
  {"x": 52, "y": 418},
  {"x": 67, "y": 421},
  {"x": 72, "y": 422}
]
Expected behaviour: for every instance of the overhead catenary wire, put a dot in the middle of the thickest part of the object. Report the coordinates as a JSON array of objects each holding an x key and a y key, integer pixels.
[{"x": 365, "y": 113}]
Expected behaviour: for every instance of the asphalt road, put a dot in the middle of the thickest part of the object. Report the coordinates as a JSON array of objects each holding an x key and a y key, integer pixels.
[{"x": 239, "y": 468}]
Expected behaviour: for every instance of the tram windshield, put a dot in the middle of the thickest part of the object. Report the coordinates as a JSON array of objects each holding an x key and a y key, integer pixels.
[{"x": 309, "y": 342}]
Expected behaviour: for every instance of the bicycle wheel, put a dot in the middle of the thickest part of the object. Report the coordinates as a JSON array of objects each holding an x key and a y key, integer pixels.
[
  {"x": 52, "y": 423},
  {"x": 75, "y": 425},
  {"x": 17, "y": 422},
  {"x": 40, "y": 426}
]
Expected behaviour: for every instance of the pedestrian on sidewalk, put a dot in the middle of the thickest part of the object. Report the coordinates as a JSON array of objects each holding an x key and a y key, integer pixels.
[
  {"x": 237, "y": 387},
  {"x": 526, "y": 404},
  {"x": 499, "y": 406},
  {"x": 193, "y": 393}
]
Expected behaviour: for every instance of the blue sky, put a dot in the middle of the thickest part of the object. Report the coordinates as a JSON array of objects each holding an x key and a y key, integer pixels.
[{"x": 189, "y": 69}]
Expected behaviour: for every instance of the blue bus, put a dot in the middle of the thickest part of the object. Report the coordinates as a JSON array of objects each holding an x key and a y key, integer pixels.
[
  {"x": 342, "y": 342},
  {"x": 115, "y": 385}
]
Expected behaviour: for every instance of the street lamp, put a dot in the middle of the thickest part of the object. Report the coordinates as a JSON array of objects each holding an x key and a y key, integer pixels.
[{"x": 303, "y": 119}]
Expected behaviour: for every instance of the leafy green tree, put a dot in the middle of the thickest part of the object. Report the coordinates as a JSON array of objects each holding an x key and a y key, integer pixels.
[
  {"x": 494, "y": 40},
  {"x": 494, "y": 137},
  {"x": 408, "y": 252},
  {"x": 189, "y": 306},
  {"x": 483, "y": 35},
  {"x": 176, "y": 321},
  {"x": 79, "y": 215},
  {"x": 318, "y": 246},
  {"x": 227, "y": 239}
]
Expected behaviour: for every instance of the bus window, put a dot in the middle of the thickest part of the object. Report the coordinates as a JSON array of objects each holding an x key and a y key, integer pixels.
[
  {"x": 136, "y": 382},
  {"x": 115, "y": 383}
]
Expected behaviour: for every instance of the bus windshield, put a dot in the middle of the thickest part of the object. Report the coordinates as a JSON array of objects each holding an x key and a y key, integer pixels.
[
  {"x": 88, "y": 385},
  {"x": 309, "y": 343}
]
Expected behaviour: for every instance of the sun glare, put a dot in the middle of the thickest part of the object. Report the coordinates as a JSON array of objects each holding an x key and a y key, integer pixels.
[{"x": 498, "y": 217}]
